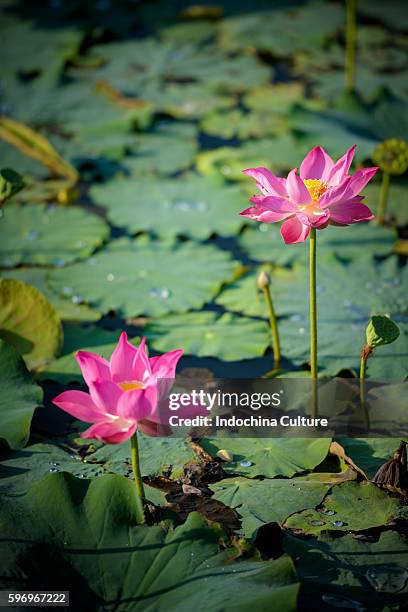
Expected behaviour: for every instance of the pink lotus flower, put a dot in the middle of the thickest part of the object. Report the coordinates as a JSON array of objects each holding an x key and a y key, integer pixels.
[
  {"x": 124, "y": 394},
  {"x": 323, "y": 193}
]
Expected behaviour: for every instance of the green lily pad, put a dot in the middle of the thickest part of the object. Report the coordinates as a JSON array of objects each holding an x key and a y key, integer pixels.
[
  {"x": 225, "y": 337},
  {"x": 357, "y": 506},
  {"x": 78, "y": 336},
  {"x": 171, "y": 147},
  {"x": 194, "y": 206},
  {"x": 281, "y": 32},
  {"x": 350, "y": 573},
  {"x": 67, "y": 310},
  {"x": 21, "y": 469},
  {"x": 370, "y": 453},
  {"x": 330, "y": 85},
  {"x": 267, "y": 501},
  {"x": 278, "y": 97},
  {"x": 29, "y": 322},
  {"x": 237, "y": 124},
  {"x": 181, "y": 33},
  {"x": 54, "y": 47},
  {"x": 172, "y": 61},
  {"x": 162, "y": 277},
  {"x": 141, "y": 564},
  {"x": 340, "y": 344},
  {"x": 279, "y": 154},
  {"x": 270, "y": 457},
  {"x": 20, "y": 396},
  {"x": 186, "y": 101},
  {"x": 263, "y": 242},
  {"x": 157, "y": 455},
  {"x": 37, "y": 234},
  {"x": 335, "y": 130}
]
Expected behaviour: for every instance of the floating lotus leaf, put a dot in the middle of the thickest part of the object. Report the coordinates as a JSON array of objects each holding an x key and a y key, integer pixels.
[
  {"x": 340, "y": 345},
  {"x": 125, "y": 554},
  {"x": 194, "y": 206},
  {"x": 37, "y": 461},
  {"x": 37, "y": 234},
  {"x": 29, "y": 322},
  {"x": 19, "y": 397},
  {"x": 370, "y": 453},
  {"x": 189, "y": 101},
  {"x": 158, "y": 455},
  {"x": 181, "y": 33},
  {"x": 278, "y": 97},
  {"x": 68, "y": 310},
  {"x": 370, "y": 83},
  {"x": 172, "y": 61},
  {"x": 225, "y": 337},
  {"x": 270, "y": 456},
  {"x": 356, "y": 506},
  {"x": 267, "y": 501},
  {"x": 277, "y": 154},
  {"x": 146, "y": 277},
  {"x": 281, "y": 32},
  {"x": 237, "y": 124},
  {"x": 54, "y": 47},
  {"x": 351, "y": 572},
  {"x": 171, "y": 147},
  {"x": 78, "y": 336},
  {"x": 335, "y": 130}
]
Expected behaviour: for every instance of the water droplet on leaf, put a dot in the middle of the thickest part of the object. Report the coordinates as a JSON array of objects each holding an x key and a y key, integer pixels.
[
  {"x": 245, "y": 463},
  {"x": 327, "y": 512},
  {"x": 317, "y": 523},
  {"x": 160, "y": 293},
  {"x": 32, "y": 235}
]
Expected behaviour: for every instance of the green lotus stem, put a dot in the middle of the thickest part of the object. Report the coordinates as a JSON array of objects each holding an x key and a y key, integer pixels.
[
  {"x": 363, "y": 371},
  {"x": 263, "y": 283},
  {"x": 313, "y": 305},
  {"x": 313, "y": 322},
  {"x": 138, "y": 477},
  {"x": 350, "y": 44},
  {"x": 382, "y": 205}
]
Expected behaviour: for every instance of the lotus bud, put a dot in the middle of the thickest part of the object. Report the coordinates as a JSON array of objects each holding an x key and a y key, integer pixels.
[
  {"x": 392, "y": 156},
  {"x": 263, "y": 280}
]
